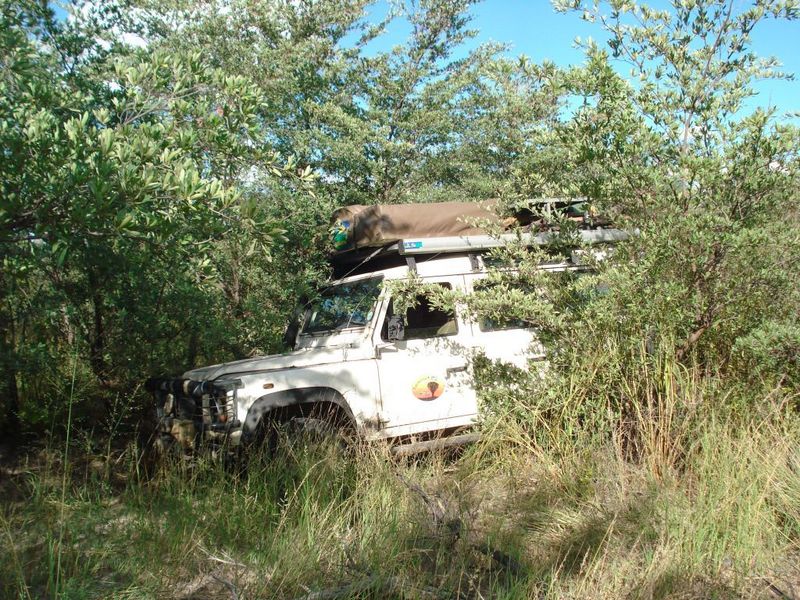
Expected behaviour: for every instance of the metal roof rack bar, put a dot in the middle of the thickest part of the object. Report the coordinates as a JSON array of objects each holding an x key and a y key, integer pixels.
[{"x": 413, "y": 246}]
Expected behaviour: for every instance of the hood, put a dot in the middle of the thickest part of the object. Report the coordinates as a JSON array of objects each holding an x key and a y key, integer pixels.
[{"x": 306, "y": 357}]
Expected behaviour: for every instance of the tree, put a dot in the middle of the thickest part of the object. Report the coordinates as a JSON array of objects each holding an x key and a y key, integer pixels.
[
  {"x": 710, "y": 186},
  {"x": 123, "y": 173}
]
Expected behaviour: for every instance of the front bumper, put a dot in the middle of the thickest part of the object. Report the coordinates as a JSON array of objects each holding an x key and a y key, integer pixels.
[{"x": 193, "y": 411}]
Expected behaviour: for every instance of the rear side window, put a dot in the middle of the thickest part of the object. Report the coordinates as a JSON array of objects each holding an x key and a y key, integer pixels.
[
  {"x": 500, "y": 303},
  {"x": 424, "y": 320},
  {"x": 497, "y": 304}
]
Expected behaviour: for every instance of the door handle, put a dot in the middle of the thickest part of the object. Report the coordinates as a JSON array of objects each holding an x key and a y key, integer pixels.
[{"x": 458, "y": 369}]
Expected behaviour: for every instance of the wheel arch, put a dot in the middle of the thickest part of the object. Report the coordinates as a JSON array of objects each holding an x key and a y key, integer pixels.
[{"x": 294, "y": 402}]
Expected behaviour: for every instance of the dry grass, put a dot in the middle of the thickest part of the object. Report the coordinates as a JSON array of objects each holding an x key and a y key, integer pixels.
[{"x": 694, "y": 505}]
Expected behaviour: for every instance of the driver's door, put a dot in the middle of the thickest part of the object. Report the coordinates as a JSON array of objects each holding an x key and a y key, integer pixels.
[{"x": 425, "y": 378}]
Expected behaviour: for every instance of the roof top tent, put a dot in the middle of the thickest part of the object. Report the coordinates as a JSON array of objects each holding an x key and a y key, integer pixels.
[{"x": 370, "y": 238}]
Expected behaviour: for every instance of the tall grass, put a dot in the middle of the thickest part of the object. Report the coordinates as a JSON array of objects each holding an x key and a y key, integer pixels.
[{"x": 659, "y": 491}]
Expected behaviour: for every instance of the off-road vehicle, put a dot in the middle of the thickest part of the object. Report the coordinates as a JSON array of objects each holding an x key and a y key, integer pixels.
[{"x": 356, "y": 362}]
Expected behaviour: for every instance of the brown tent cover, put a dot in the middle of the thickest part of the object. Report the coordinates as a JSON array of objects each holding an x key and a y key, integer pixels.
[{"x": 360, "y": 226}]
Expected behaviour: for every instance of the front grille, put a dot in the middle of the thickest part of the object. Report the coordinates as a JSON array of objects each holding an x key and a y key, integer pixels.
[{"x": 209, "y": 404}]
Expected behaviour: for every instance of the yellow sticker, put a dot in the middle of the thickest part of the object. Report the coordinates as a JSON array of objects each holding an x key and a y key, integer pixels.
[{"x": 428, "y": 387}]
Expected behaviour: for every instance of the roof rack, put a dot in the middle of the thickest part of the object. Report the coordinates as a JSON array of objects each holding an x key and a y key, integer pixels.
[
  {"x": 413, "y": 246},
  {"x": 393, "y": 254}
]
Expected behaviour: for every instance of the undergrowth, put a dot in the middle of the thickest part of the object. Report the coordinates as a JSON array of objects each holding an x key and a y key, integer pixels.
[{"x": 678, "y": 496}]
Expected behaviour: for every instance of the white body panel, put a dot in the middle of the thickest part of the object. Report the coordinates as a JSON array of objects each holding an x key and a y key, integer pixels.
[
  {"x": 379, "y": 380},
  {"x": 443, "y": 362}
]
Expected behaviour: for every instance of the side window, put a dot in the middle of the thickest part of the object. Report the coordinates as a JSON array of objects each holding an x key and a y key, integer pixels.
[
  {"x": 500, "y": 303},
  {"x": 497, "y": 304},
  {"x": 423, "y": 320}
]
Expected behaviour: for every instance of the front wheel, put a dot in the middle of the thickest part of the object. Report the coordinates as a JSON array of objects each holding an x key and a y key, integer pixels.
[
  {"x": 302, "y": 425},
  {"x": 318, "y": 431}
]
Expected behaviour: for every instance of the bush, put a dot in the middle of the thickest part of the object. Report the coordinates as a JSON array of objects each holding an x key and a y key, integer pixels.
[{"x": 769, "y": 355}]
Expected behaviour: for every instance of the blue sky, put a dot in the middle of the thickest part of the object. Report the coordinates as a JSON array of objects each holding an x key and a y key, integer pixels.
[{"x": 533, "y": 28}]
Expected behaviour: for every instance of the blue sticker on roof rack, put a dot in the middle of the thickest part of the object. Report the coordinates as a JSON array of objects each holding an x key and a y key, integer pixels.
[{"x": 411, "y": 245}]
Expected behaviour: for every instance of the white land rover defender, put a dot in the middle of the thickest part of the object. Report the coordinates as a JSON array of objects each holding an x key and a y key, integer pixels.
[{"x": 405, "y": 377}]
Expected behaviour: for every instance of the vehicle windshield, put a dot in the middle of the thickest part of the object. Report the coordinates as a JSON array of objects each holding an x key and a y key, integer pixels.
[{"x": 345, "y": 306}]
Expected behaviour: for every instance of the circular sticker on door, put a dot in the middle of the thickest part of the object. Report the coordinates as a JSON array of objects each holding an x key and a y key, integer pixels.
[{"x": 428, "y": 387}]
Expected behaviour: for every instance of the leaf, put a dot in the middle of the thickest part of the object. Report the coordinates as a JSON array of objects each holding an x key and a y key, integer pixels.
[{"x": 126, "y": 220}]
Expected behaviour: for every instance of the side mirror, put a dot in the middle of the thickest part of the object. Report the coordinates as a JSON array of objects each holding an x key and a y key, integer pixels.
[
  {"x": 396, "y": 328},
  {"x": 293, "y": 328},
  {"x": 290, "y": 335}
]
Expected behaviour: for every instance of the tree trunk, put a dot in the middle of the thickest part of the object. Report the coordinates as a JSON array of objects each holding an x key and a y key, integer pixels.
[
  {"x": 97, "y": 343},
  {"x": 191, "y": 350},
  {"x": 9, "y": 426}
]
